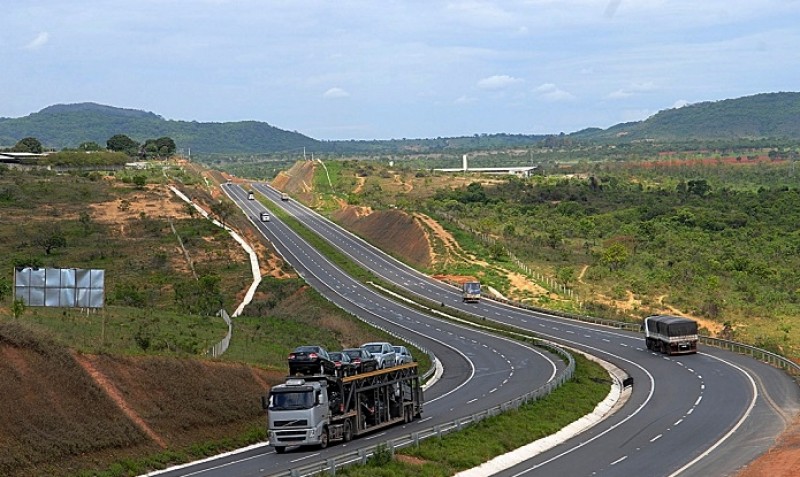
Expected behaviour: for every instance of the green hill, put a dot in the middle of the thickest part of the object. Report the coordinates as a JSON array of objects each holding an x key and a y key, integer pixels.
[
  {"x": 68, "y": 125},
  {"x": 768, "y": 115}
]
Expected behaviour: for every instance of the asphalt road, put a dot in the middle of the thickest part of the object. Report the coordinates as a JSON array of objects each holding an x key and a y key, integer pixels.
[
  {"x": 480, "y": 370},
  {"x": 694, "y": 415}
]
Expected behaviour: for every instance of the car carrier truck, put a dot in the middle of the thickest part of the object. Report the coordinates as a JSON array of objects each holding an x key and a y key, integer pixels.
[
  {"x": 670, "y": 334},
  {"x": 315, "y": 410}
]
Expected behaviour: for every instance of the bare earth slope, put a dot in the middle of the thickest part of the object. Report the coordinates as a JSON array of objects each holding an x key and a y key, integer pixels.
[
  {"x": 391, "y": 230},
  {"x": 61, "y": 410}
]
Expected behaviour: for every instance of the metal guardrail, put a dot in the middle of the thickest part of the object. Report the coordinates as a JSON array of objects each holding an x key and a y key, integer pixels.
[
  {"x": 360, "y": 456},
  {"x": 774, "y": 359},
  {"x": 787, "y": 365}
]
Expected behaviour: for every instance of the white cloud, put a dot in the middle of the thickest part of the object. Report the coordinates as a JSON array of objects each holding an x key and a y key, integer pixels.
[
  {"x": 551, "y": 92},
  {"x": 632, "y": 89},
  {"x": 38, "y": 42},
  {"x": 464, "y": 99},
  {"x": 498, "y": 82},
  {"x": 680, "y": 103},
  {"x": 335, "y": 93},
  {"x": 619, "y": 94}
]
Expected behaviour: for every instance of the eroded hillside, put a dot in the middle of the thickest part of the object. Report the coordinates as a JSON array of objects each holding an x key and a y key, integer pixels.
[{"x": 62, "y": 410}]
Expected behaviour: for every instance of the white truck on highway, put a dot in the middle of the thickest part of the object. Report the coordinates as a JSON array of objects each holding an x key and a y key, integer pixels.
[
  {"x": 314, "y": 410},
  {"x": 670, "y": 334},
  {"x": 471, "y": 292}
]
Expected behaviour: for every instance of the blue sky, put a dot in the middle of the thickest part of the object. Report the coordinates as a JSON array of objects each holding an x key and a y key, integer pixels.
[{"x": 396, "y": 69}]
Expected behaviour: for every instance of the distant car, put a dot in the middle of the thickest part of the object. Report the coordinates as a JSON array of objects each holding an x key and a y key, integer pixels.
[
  {"x": 383, "y": 352},
  {"x": 344, "y": 365},
  {"x": 361, "y": 359},
  {"x": 403, "y": 355},
  {"x": 311, "y": 360}
]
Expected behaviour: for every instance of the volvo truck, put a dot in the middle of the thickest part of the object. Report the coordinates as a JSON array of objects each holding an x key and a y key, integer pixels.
[{"x": 316, "y": 410}]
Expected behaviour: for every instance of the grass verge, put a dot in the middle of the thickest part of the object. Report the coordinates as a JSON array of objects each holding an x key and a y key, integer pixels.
[{"x": 496, "y": 435}]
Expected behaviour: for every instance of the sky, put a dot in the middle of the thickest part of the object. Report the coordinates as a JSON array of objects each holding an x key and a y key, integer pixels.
[{"x": 338, "y": 70}]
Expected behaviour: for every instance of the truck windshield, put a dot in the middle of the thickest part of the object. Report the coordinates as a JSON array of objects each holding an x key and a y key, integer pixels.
[
  {"x": 472, "y": 287},
  {"x": 293, "y": 400}
]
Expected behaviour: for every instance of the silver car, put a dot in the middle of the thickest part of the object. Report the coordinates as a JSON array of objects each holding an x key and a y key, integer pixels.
[
  {"x": 383, "y": 352},
  {"x": 403, "y": 355}
]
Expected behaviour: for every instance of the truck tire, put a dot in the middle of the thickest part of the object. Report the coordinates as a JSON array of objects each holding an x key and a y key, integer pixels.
[
  {"x": 280, "y": 449},
  {"x": 347, "y": 432},
  {"x": 323, "y": 438}
]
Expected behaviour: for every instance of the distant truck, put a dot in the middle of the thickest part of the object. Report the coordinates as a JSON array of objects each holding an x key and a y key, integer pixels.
[
  {"x": 284, "y": 196},
  {"x": 670, "y": 334},
  {"x": 315, "y": 410},
  {"x": 471, "y": 292}
]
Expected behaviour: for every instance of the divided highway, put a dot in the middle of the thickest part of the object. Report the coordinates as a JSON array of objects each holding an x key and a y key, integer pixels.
[
  {"x": 480, "y": 370},
  {"x": 695, "y": 415}
]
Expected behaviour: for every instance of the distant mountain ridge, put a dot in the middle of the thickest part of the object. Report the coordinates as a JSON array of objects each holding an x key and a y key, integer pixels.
[
  {"x": 761, "y": 116},
  {"x": 766, "y": 115},
  {"x": 68, "y": 125}
]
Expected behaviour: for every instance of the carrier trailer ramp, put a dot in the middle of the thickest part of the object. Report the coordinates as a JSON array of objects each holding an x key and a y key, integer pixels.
[
  {"x": 670, "y": 334},
  {"x": 315, "y": 410}
]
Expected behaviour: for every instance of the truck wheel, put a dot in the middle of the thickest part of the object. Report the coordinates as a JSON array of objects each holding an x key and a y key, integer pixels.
[
  {"x": 347, "y": 433},
  {"x": 280, "y": 449},
  {"x": 323, "y": 439}
]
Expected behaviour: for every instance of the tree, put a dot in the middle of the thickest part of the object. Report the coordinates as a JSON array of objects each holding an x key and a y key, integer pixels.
[
  {"x": 122, "y": 143},
  {"x": 28, "y": 144},
  {"x": 139, "y": 181},
  {"x": 89, "y": 146},
  {"x": 615, "y": 256},
  {"x": 222, "y": 210},
  {"x": 5, "y": 288},
  {"x": 565, "y": 275},
  {"x": 18, "y": 308},
  {"x": 86, "y": 220},
  {"x": 49, "y": 239}
]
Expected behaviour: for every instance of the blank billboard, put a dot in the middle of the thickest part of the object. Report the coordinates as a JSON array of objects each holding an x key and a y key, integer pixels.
[{"x": 60, "y": 287}]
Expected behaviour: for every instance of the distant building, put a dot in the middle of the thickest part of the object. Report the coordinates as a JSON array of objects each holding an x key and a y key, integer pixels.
[
  {"x": 521, "y": 171},
  {"x": 17, "y": 157}
]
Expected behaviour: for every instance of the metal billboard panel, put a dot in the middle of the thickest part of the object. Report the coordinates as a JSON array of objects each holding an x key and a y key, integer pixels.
[{"x": 60, "y": 287}]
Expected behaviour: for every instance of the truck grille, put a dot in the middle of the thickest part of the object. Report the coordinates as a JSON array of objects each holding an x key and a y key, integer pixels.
[
  {"x": 291, "y": 436},
  {"x": 292, "y": 422}
]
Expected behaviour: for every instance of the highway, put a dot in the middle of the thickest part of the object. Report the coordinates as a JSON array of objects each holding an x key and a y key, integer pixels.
[
  {"x": 694, "y": 415},
  {"x": 481, "y": 370}
]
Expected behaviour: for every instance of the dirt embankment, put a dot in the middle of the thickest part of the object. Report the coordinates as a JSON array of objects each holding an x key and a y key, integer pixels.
[
  {"x": 391, "y": 230},
  {"x": 298, "y": 181},
  {"x": 62, "y": 410}
]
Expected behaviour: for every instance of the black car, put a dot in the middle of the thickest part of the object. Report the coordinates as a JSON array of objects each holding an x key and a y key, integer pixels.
[
  {"x": 311, "y": 360},
  {"x": 344, "y": 366},
  {"x": 362, "y": 359}
]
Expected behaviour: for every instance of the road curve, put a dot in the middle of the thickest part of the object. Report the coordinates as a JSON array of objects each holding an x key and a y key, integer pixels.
[
  {"x": 481, "y": 370},
  {"x": 704, "y": 414}
]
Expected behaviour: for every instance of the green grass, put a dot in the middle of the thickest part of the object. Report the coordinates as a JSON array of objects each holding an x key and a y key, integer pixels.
[{"x": 125, "y": 330}]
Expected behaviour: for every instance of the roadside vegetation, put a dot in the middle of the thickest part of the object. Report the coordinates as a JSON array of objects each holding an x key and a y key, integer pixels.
[
  {"x": 699, "y": 234},
  {"x": 164, "y": 288}
]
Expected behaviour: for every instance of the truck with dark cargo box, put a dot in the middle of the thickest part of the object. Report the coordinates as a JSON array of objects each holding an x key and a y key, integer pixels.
[{"x": 670, "y": 334}]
